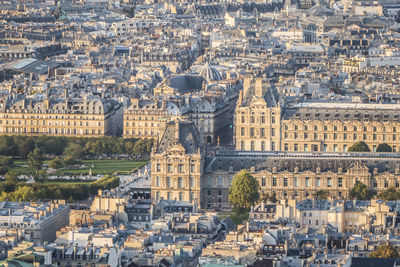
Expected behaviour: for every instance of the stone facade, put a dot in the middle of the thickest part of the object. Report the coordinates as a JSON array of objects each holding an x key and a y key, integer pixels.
[
  {"x": 177, "y": 163},
  {"x": 262, "y": 124},
  {"x": 92, "y": 116}
]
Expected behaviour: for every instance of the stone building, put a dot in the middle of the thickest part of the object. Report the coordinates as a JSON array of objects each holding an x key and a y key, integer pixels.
[
  {"x": 297, "y": 175},
  {"x": 263, "y": 124},
  {"x": 202, "y": 98},
  {"x": 92, "y": 116},
  {"x": 177, "y": 162}
]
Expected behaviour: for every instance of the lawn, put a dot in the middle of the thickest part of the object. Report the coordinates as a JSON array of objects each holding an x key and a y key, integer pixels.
[{"x": 99, "y": 167}]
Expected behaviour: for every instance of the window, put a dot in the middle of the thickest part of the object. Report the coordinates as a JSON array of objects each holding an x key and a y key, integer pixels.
[
  {"x": 180, "y": 182},
  {"x": 252, "y": 119},
  {"x": 252, "y": 145},
  {"x": 209, "y": 180},
  {"x": 242, "y": 131},
  {"x": 273, "y": 119},
  {"x": 329, "y": 182},
  {"x": 243, "y": 119},
  {"x": 191, "y": 181},
  {"x": 262, "y": 119},
  {"x": 272, "y": 131},
  {"x": 386, "y": 183},
  {"x": 318, "y": 182},
  {"x": 307, "y": 182},
  {"x": 251, "y": 132},
  {"x": 157, "y": 181},
  {"x": 273, "y": 146},
  {"x": 286, "y": 147},
  {"x": 191, "y": 196},
  {"x": 335, "y": 136},
  {"x": 315, "y": 136},
  {"x": 285, "y": 182},
  {"x": 158, "y": 167},
  {"x": 192, "y": 168},
  {"x": 296, "y": 135},
  {"x": 230, "y": 180},
  {"x": 335, "y": 148},
  {"x": 345, "y": 136},
  {"x": 305, "y": 147},
  {"x": 274, "y": 182},
  {"x": 169, "y": 168},
  {"x": 180, "y": 196},
  {"x": 305, "y": 135},
  {"x": 263, "y": 181},
  {"x": 219, "y": 180},
  {"x": 262, "y": 132},
  {"x": 169, "y": 196},
  {"x": 168, "y": 182},
  {"x": 296, "y": 147},
  {"x": 242, "y": 145},
  {"x": 180, "y": 168},
  {"x": 158, "y": 195},
  {"x": 340, "y": 182},
  {"x": 262, "y": 145}
]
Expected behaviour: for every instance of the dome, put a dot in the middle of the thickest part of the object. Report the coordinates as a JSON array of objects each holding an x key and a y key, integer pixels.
[{"x": 208, "y": 72}]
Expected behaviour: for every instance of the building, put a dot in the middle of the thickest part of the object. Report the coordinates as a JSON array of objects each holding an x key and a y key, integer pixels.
[
  {"x": 36, "y": 222},
  {"x": 263, "y": 124},
  {"x": 91, "y": 116},
  {"x": 176, "y": 163}
]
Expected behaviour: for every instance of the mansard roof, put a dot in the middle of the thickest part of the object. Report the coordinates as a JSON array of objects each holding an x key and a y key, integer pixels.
[
  {"x": 180, "y": 133},
  {"x": 301, "y": 162}
]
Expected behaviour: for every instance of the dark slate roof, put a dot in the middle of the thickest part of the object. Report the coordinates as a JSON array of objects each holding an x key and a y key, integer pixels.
[
  {"x": 304, "y": 161},
  {"x": 186, "y": 83},
  {"x": 341, "y": 114},
  {"x": 373, "y": 262},
  {"x": 187, "y": 135}
]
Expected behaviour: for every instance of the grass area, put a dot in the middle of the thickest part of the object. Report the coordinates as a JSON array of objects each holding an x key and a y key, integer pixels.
[{"x": 100, "y": 167}]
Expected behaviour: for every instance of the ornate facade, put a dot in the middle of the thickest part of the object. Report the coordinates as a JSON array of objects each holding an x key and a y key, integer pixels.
[
  {"x": 177, "y": 162},
  {"x": 93, "y": 116},
  {"x": 297, "y": 175},
  {"x": 262, "y": 124}
]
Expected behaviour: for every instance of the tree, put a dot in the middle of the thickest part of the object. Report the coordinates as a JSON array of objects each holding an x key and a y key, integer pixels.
[
  {"x": 360, "y": 192},
  {"x": 243, "y": 192},
  {"x": 390, "y": 194},
  {"x": 384, "y": 148},
  {"x": 321, "y": 194},
  {"x": 359, "y": 146},
  {"x": 56, "y": 163},
  {"x": 40, "y": 176},
  {"x": 35, "y": 160},
  {"x": 74, "y": 151},
  {"x": 385, "y": 251},
  {"x": 12, "y": 178},
  {"x": 5, "y": 164}
]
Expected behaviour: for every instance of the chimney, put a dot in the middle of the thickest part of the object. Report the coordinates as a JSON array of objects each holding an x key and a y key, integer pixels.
[{"x": 259, "y": 88}]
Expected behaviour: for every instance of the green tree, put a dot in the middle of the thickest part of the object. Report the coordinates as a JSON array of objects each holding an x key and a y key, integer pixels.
[
  {"x": 385, "y": 251},
  {"x": 5, "y": 164},
  {"x": 7, "y": 146},
  {"x": 360, "y": 192},
  {"x": 243, "y": 192},
  {"x": 359, "y": 146},
  {"x": 11, "y": 178},
  {"x": 390, "y": 194},
  {"x": 321, "y": 194},
  {"x": 56, "y": 163},
  {"x": 35, "y": 160},
  {"x": 75, "y": 151},
  {"x": 24, "y": 145},
  {"x": 384, "y": 148},
  {"x": 40, "y": 176}
]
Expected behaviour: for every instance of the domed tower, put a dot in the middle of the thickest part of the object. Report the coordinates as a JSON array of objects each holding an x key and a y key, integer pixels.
[{"x": 208, "y": 72}]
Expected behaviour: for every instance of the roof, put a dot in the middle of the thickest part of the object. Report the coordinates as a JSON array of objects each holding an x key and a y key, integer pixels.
[
  {"x": 32, "y": 65},
  {"x": 372, "y": 262},
  {"x": 343, "y": 112},
  {"x": 183, "y": 133}
]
